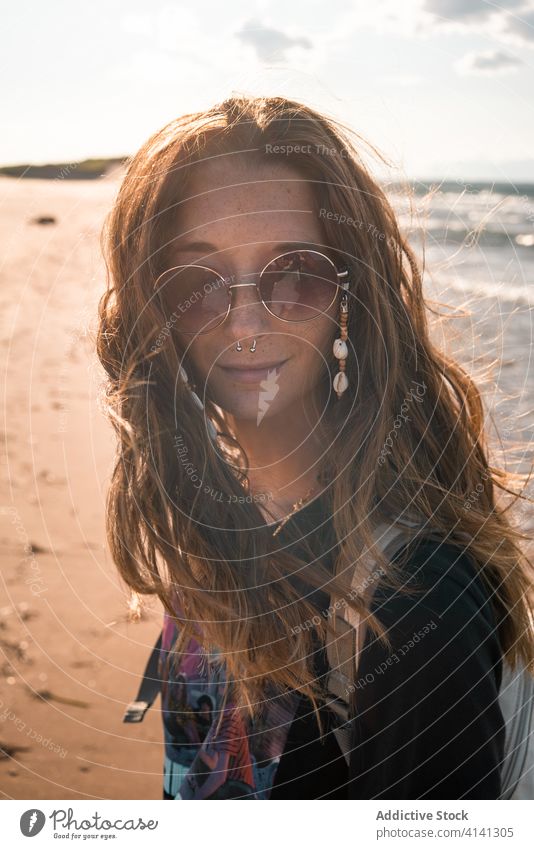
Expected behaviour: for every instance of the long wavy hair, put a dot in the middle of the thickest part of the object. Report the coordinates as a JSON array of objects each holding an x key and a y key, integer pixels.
[{"x": 212, "y": 561}]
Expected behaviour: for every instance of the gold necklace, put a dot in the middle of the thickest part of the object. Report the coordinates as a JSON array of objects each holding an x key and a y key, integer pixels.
[{"x": 294, "y": 508}]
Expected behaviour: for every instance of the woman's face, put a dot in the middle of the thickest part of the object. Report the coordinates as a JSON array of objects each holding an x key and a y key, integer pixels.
[{"x": 244, "y": 215}]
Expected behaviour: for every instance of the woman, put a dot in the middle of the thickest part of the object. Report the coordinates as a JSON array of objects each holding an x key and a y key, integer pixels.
[{"x": 278, "y": 403}]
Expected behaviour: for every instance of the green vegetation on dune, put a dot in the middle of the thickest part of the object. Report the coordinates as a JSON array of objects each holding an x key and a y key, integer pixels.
[{"x": 88, "y": 169}]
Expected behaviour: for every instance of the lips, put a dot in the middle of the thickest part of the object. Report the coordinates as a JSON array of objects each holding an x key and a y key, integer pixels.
[
  {"x": 249, "y": 374},
  {"x": 253, "y": 366}
]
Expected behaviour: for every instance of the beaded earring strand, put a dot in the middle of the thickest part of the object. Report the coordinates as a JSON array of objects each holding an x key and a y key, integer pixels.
[{"x": 340, "y": 348}]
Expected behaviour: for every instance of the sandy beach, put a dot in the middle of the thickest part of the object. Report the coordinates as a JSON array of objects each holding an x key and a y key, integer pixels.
[
  {"x": 70, "y": 658},
  {"x": 63, "y": 617}
]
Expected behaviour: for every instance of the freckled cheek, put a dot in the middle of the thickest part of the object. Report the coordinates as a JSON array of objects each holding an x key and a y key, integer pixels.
[
  {"x": 196, "y": 356},
  {"x": 319, "y": 342},
  {"x": 312, "y": 355},
  {"x": 206, "y": 360}
]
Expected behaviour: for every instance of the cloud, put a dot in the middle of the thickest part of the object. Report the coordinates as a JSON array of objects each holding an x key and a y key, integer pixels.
[
  {"x": 270, "y": 44},
  {"x": 489, "y": 62},
  {"x": 521, "y": 26},
  {"x": 511, "y": 20},
  {"x": 467, "y": 10}
]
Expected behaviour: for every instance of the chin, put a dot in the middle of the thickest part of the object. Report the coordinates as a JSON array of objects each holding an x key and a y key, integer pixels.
[{"x": 252, "y": 404}]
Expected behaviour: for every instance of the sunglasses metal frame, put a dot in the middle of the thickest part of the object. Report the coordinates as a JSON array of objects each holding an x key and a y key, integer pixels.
[{"x": 344, "y": 285}]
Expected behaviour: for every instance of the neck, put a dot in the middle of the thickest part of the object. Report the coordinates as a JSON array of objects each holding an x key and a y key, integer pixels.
[{"x": 284, "y": 452}]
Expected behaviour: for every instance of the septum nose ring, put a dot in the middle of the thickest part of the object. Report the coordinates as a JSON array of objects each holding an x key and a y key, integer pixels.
[{"x": 238, "y": 347}]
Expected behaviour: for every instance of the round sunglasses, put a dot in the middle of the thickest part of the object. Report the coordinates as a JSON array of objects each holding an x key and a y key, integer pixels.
[{"x": 298, "y": 285}]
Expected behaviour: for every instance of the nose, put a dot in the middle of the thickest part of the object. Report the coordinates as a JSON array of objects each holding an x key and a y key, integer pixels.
[{"x": 247, "y": 314}]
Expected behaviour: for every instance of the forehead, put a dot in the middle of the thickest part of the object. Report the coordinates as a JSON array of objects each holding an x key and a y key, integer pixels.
[{"x": 231, "y": 201}]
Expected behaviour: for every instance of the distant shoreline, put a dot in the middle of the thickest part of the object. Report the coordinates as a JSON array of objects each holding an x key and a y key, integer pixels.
[
  {"x": 94, "y": 169},
  {"x": 87, "y": 169}
]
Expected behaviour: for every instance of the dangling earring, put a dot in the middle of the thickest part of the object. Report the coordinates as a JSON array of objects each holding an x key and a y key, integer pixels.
[
  {"x": 340, "y": 382},
  {"x": 212, "y": 430}
]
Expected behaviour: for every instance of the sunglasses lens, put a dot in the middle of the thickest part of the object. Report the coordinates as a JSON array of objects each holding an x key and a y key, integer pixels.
[
  {"x": 299, "y": 285},
  {"x": 195, "y": 297}
]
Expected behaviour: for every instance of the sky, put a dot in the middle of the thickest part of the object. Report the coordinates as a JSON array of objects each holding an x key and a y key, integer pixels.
[{"x": 443, "y": 88}]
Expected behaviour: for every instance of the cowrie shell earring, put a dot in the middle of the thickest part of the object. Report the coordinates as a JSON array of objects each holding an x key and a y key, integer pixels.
[
  {"x": 212, "y": 430},
  {"x": 340, "y": 348}
]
